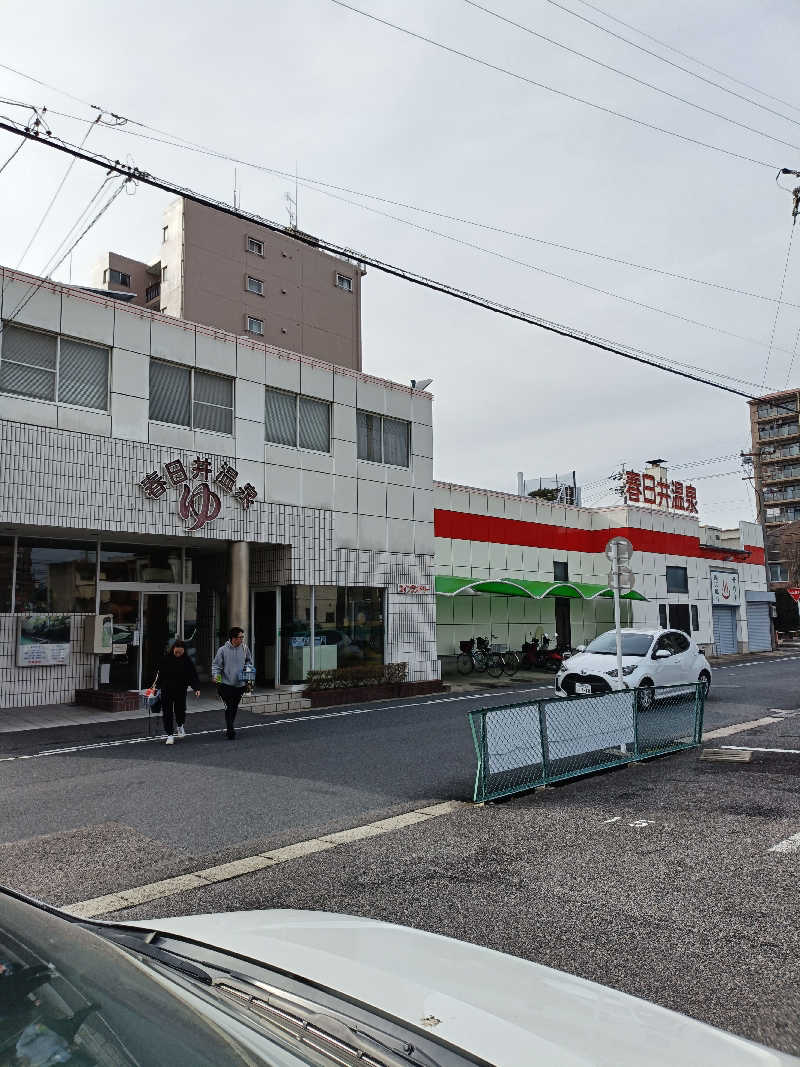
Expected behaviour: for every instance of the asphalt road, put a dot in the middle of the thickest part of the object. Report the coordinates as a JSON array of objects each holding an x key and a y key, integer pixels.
[{"x": 657, "y": 879}]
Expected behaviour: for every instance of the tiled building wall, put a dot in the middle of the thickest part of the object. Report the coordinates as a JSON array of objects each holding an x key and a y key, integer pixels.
[{"x": 28, "y": 686}]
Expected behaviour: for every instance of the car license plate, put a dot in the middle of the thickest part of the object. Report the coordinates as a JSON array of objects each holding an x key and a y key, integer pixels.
[{"x": 583, "y": 688}]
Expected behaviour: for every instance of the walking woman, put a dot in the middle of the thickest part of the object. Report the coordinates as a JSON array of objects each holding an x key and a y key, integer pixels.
[{"x": 176, "y": 674}]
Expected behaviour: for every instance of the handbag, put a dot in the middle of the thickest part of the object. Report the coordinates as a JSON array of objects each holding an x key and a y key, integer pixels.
[{"x": 154, "y": 698}]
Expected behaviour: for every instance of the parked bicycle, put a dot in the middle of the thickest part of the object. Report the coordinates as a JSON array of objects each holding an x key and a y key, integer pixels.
[{"x": 477, "y": 655}]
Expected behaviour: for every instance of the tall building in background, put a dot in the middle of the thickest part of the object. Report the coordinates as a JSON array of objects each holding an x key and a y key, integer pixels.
[
  {"x": 775, "y": 431},
  {"x": 236, "y": 276}
]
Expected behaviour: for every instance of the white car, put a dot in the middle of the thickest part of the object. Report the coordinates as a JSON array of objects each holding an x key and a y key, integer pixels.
[{"x": 649, "y": 658}]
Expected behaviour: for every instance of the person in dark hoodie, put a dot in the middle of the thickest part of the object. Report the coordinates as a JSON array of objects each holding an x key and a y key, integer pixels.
[{"x": 176, "y": 674}]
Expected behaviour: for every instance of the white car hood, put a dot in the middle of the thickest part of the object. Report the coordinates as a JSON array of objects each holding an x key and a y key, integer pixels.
[
  {"x": 500, "y": 1008},
  {"x": 591, "y": 663}
]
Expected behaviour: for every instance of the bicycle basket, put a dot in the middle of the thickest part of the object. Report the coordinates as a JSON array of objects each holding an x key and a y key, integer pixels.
[{"x": 467, "y": 646}]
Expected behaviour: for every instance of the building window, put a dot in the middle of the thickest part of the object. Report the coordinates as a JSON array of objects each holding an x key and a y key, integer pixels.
[
  {"x": 117, "y": 277},
  {"x": 383, "y": 440},
  {"x": 45, "y": 366},
  {"x": 255, "y": 285},
  {"x": 778, "y": 572},
  {"x": 561, "y": 572},
  {"x": 344, "y": 281},
  {"x": 677, "y": 580},
  {"x": 255, "y": 326},
  {"x": 192, "y": 398},
  {"x": 662, "y": 616},
  {"x": 57, "y": 576},
  {"x": 297, "y": 421},
  {"x": 695, "y": 618},
  {"x": 163, "y": 274},
  {"x": 164, "y": 232},
  {"x": 255, "y": 246},
  {"x": 6, "y": 572},
  {"x": 152, "y": 292}
]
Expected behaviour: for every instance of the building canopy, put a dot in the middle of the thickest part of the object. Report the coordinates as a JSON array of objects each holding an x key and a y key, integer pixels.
[{"x": 450, "y": 585}]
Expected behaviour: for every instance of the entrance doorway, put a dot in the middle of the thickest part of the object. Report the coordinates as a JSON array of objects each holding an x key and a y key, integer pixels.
[
  {"x": 264, "y": 637},
  {"x": 679, "y": 618},
  {"x": 563, "y": 623},
  {"x": 145, "y": 619}
]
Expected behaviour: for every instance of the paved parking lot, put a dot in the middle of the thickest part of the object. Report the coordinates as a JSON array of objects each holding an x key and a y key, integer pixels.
[{"x": 660, "y": 880}]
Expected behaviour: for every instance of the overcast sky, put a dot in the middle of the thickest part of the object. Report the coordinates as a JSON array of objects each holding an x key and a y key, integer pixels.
[{"x": 356, "y": 104}]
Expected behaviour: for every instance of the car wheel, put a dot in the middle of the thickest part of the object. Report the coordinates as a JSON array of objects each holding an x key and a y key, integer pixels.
[
  {"x": 647, "y": 695},
  {"x": 705, "y": 683}
]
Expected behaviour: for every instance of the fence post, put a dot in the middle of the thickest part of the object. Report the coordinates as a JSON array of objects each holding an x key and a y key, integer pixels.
[
  {"x": 636, "y": 723},
  {"x": 479, "y": 740},
  {"x": 543, "y": 741},
  {"x": 699, "y": 709}
]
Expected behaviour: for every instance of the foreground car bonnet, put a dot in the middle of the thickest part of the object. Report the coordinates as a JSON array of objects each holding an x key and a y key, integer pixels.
[{"x": 500, "y": 1008}]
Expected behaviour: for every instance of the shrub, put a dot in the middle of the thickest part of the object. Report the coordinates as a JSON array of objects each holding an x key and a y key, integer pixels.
[{"x": 354, "y": 677}]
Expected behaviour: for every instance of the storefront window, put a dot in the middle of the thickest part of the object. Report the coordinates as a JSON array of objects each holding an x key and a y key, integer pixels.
[
  {"x": 6, "y": 572},
  {"x": 327, "y": 637},
  {"x": 57, "y": 576},
  {"x": 295, "y": 632},
  {"x": 359, "y": 622},
  {"x": 139, "y": 563}
]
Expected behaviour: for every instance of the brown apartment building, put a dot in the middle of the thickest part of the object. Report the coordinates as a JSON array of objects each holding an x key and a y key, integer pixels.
[
  {"x": 236, "y": 276},
  {"x": 775, "y": 431}
]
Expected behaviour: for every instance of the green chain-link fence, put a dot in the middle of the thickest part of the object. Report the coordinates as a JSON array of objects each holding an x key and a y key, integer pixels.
[{"x": 521, "y": 746}]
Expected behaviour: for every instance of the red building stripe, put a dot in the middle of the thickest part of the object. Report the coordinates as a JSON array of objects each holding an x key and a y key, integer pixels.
[{"x": 460, "y": 525}]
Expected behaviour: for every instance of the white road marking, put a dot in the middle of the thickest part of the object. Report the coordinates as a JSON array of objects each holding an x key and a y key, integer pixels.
[
  {"x": 791, "y": 844},
  {"x": 740, "y": 727},
  {"x": 92, "y": 746},
  {"x": 224, "y": 872},
  {"x": 751, "y": 748}
]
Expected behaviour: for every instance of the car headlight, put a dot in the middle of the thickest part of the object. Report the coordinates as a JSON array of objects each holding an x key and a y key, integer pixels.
[{"x": 628, "y": 669}]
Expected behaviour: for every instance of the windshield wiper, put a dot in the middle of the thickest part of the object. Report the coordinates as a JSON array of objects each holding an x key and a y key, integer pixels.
[{"x": 332, "y": 1035}]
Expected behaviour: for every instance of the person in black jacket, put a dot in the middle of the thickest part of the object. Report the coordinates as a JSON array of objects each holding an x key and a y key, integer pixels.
[{"x": 176, "y": 674}]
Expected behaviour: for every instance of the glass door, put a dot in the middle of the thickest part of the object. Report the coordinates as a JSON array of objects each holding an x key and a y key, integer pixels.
[
  {"x": 124, "y": 607},
  {"x": 160, "y": 626}
]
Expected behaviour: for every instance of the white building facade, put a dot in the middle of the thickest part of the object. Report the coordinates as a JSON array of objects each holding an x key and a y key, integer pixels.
[
  {"x": 708, "y": 582},
  {"x": 181, "y": 480}
]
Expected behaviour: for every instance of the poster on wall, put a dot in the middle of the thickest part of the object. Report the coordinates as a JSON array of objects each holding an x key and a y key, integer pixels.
[
  {"x": 43, "y": 640},
  {"x": 724, "y": 588}
]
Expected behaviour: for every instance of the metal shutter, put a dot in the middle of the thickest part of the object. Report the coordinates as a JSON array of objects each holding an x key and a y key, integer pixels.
[
  {"x": 315, "y": 425},
  {"x": 28, "y": 363},
  {"x": 281, "y": 418},
  {"x": 759, "y": 634},
  {"x": 83, "y": 375},
  {"x": 725, "y": 630},
  {"x": 170, "y": 393},
  {"x": 213, "y": 402}
]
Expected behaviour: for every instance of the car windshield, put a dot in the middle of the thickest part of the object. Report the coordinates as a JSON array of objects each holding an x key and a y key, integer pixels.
[{"x": 632, "y": 644}]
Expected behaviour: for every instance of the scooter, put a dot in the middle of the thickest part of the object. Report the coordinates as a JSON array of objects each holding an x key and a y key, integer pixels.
[{"x": 537, "y": 655}]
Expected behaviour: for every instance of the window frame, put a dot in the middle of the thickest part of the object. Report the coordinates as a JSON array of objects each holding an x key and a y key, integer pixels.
[
  {"x": 252, "y": 318},
  {"x": 297, "y": 398},
  {"x": 560, "y": 563},
  {"x": 192, "y": 371},
  {"x": 258, "y": 281},
  {"x": 4, "y": 324},
  {"x": 344, "y": 278},
  {"x": 254, "y": 251},
  {"x": 671, "y": 588},
  {"x": 382, "y": 461}
]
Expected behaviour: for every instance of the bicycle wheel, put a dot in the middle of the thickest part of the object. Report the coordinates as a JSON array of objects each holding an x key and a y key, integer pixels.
[
  {"x": 464, "y": 664},
  {"x": 494, "y": 664},
  {"x": 511, "y": 662},
  {"x": 480, "y": 661}
]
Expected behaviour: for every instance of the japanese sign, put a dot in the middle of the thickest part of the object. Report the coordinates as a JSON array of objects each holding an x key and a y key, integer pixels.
[
  {"x": 200, "y": 487},
  {"x": 413, "y": 589},
  {"x": 43, "y": 640},
  {"x": 725, "y": 588},
  {"x": 644, "y": 489}
]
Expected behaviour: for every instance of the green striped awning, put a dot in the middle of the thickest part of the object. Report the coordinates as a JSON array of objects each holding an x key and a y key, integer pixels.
[{"x": 450, "y": 585}]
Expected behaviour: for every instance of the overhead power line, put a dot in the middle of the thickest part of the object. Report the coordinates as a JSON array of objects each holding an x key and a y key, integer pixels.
[
  {"x": 686, "y": 55},
  {"x": 632, "y": 77},
  {"x": 18, "y": 149},
  {"x": 551, "y": 89},
  {"x": 121, "y": 124},
  {"x": 556, "y": 328},
  {"x": 572, "y": 281},
  {"x": 669, "y": 62},
  {"x": 778, "y": 308}
]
